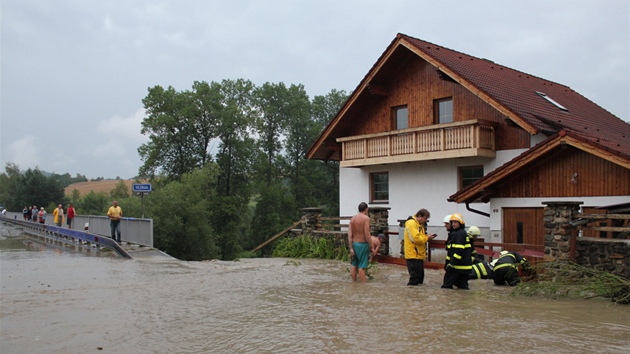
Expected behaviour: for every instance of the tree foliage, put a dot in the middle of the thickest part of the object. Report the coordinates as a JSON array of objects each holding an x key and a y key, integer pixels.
[
  {"x": 120, "y": 191},
  {"x": 226, "y": 163},
  {"x": 30, "y": 188},
  {"x": 181, "y": 212}
]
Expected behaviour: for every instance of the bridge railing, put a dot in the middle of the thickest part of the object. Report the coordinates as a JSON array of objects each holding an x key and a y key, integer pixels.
[
  {"x": 138, "y": 231},
  {"x": 133, "y": 230}
]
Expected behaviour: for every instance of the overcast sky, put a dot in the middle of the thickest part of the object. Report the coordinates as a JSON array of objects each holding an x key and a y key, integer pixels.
[{"x": 74, "y": 72}]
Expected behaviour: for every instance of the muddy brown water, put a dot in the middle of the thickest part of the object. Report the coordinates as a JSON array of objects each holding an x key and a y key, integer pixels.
[{"x": 58, "y": 301}]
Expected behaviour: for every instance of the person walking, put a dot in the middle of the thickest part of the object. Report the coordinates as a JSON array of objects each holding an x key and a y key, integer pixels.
[
  {"x": 415, "y": 245},
  {"x": 42, "y": 216},
  {"x": 359, "y": 243},
  {"x": 70, "y": 215},
  {"x": 34, "y": 213},
  {"x": 58, "y": 215},
  {"x": 114, "y": 214},
  {"x": 458, "y": 255}
]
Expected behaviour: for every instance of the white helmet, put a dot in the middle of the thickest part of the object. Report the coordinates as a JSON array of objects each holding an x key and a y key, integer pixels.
[
  {"x": 474, "y": 231},
  {"x": 447, "y": 219}
]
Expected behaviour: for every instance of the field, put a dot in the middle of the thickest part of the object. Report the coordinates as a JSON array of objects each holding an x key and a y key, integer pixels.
[{"x": 96, "y": 186}]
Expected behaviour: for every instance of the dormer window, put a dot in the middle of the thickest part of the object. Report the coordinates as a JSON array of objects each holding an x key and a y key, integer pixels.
[
  {"x": 401, "y": 117},
  {"x": 551, "y": 100},
  {"x": 443, "y": 109}
]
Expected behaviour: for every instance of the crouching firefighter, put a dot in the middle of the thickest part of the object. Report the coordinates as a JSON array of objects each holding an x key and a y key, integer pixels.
[
  {"x": 481, "y": 270},
  {"x": 506, "y": 268}
]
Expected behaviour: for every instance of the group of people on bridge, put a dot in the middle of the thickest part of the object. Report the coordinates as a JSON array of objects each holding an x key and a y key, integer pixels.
[{"x": 32, "y": 213}]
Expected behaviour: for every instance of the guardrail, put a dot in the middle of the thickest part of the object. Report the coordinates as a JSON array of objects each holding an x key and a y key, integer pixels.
[
  {"x": 133, "y": 230},
  {"x": 67, "y": 236}
]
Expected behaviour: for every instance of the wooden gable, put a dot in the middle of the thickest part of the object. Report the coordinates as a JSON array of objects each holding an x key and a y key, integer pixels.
[
  {"x": 406, "y": 79},
  {"x": 564, "y": 165},
  {"x": 414, "y": 72}
]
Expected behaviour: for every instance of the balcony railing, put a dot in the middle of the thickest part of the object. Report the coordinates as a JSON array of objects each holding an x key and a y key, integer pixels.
[{"x": 440, "y": 141}]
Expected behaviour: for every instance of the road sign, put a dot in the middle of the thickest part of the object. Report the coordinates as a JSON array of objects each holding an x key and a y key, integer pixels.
[{"x": 141, "y": 187}]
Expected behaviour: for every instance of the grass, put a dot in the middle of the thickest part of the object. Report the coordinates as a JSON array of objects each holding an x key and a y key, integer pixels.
[
  {"x": 570, "y": 280},
  {"x": 320, "y": 247},
  {"x": 309, "y": 246}
]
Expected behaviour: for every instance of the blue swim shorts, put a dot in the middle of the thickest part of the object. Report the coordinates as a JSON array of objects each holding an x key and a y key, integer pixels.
[{"x": 361, "y": 254}]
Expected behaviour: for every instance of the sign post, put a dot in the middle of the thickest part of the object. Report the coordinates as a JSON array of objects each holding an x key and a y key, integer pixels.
[{"x": 141, "y": 189}]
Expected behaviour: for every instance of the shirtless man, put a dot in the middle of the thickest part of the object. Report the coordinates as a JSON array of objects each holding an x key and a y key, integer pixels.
[
  {"x": 376, "y": 245},
  {"x": 359, "y": 243}
]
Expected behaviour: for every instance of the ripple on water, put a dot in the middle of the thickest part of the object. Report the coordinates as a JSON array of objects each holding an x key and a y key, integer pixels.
[{"x": 65, "y": 302}]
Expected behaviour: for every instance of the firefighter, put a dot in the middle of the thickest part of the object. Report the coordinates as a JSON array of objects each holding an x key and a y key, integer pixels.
[
  {"x": 458, "y": 255},
  {"x": 473, "y": 232},
  {"x": 506, "y": 268},
  {"x": 481, "y": 270}
]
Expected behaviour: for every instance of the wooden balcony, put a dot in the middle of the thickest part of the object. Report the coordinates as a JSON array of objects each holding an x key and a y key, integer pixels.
[{"x": 441, "y": 141}]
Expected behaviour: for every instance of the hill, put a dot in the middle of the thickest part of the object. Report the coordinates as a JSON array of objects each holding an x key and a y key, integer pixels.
[{"x": 96, "y": 186}]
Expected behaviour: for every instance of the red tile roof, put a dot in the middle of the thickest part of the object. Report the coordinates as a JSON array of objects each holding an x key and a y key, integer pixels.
[
  {"x": 516, "y": 91},
  {"x": 511, "y": 91}
]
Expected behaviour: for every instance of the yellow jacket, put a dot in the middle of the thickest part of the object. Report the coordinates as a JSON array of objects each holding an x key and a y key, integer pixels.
[
  {"x": 57, "y": 215},
  {"x": 415, "y": 241}
]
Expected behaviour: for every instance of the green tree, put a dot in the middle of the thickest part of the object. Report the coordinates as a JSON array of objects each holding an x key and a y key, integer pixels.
[
  {"x": 31, "y": 188},
  {"x": 120, "y": 191},
  {"x": 181, "y": 211},
  {"x": 75, "y": 197},
  {"x": 271, "y": 101},
  {"x": 131, "y": 206},
  {"x": 172, "y": 148},
  {"x": 324, "y": 175},
  {"x": 10, "y": 180},
  {"x": 227, "y": 216},
  {"x": 300, "y": 133},
  {"x": 236, "y": 150},
  {"x": 93, "y": 204},
  {"x": 272, "y": 215}
]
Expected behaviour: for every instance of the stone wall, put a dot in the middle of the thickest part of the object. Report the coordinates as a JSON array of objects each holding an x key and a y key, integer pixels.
[
  {"x": 610, "y": 255},
  {"x": 379, "y": 219},
  {"x": 562, "y": 242},
  {"x": 312, "y": 223},
  {"x": 558, "y": 230}
]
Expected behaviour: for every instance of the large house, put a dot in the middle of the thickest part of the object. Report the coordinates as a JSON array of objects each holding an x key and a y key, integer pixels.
[{"x": 430, "y": 127}]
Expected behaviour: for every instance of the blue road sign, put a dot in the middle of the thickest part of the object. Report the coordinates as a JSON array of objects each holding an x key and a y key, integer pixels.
[{"x": 141, "y": 187}]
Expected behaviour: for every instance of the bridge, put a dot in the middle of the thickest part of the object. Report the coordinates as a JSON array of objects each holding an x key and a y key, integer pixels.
[{"x": 77, "y": 239}]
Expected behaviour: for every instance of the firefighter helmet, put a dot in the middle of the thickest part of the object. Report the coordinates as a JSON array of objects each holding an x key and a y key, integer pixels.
[
  {"x": 457, "y": 217},
  {"x": 447, "y": 219},
  {"x": 474, "y": 231}
]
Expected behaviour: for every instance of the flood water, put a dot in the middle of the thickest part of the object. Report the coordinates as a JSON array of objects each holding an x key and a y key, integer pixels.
[{"x": 59, "y": 301}]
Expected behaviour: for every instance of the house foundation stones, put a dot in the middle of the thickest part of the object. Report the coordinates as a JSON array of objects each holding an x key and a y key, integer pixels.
[
  {"x": 311, "y": 219},
  {"x": 379, "y": 220},
  {"x": 557, "y": 218},
  {"x": 610, "y": 255}
]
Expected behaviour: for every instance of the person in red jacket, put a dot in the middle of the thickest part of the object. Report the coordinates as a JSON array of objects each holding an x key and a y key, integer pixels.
[{"x": 70, "y": 215}]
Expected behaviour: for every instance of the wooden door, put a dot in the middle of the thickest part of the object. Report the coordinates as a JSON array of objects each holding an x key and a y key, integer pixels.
[{"x": 524, "y": 225}]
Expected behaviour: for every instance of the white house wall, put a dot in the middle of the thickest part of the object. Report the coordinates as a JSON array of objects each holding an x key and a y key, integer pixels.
[{"x": 416, "y": 185}]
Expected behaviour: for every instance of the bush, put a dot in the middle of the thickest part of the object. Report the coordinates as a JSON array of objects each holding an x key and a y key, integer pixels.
[{"x": 309, "y": 246}]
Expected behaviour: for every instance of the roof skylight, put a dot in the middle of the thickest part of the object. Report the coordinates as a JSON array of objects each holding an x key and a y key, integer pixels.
[{"x": 543, "y": 95}]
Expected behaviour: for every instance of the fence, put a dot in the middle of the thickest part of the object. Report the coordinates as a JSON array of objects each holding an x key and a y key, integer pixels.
[
  {"x": 133, "y": 230},
  {"x": 312, "y": 222}
]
